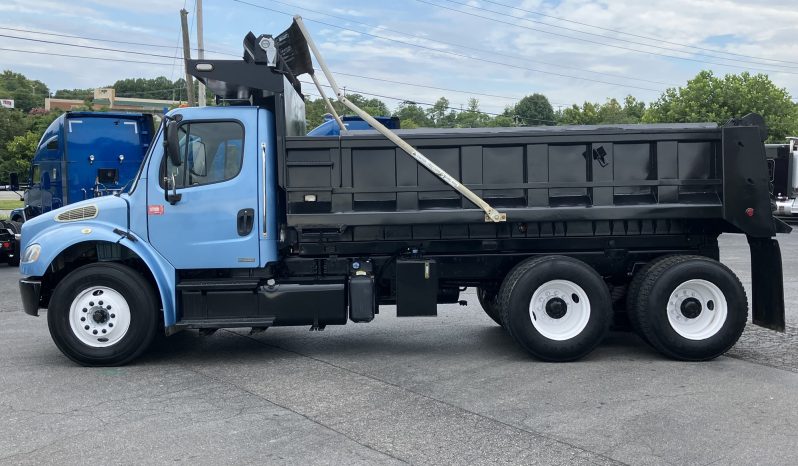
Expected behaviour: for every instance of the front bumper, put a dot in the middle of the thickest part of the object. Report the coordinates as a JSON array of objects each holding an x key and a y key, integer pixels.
[{"x": 31, "y": 289}]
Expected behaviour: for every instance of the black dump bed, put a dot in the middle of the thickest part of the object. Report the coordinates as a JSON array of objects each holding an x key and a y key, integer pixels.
[{"x": 569, "y": 173}]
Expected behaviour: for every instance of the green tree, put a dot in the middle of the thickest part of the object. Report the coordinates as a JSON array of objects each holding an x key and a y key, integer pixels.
[
  {"x": 157, "y": 88},
  {"x": 440, "y": 114},
  {"x": 714, "y": 99},
  {"x": 534, "y": 110},
  {"x": 411, "y": 115},
  {"x": 472, "y": 117},
  {"x": 611, "y": 112},
  {"x": 77, "y": 94},
  {"x": 18, "y": 154},
  {"x": 587, "y": 114},
  {"x": 27, "y": 93}
]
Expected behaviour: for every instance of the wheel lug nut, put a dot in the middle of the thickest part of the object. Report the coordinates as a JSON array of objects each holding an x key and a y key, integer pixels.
[
  {"x": 101, "y": 303},
  {"x": 110, "y": 324},
  {"x": 86, "y": 327},
  {"x": 103, "y": 330},
  {"x": 91, "y": 303},
  {"x": 94, "y": 332},
  {"x": 83, "y": 319},
  {"x": 85, "y": 310},
  {"x": 113, "y": 316},
  {"x": 108, "y": 307}
]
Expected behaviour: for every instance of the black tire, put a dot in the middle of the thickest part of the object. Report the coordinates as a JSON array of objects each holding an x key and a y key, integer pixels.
[
  {"x": 651, "y": 308},
  {"x": 17, "y": 229},
  {"x": 133, "y": 288},
  {"x": 634, "y": 292},
  {"x": 490, "y": 304},
  {"x": 525, "y": 279}
]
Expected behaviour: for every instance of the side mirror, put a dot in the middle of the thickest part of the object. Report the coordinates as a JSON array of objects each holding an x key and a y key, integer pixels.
[
  {"x": 14, "y": 182},
  {"x": 172, "y": 143}
]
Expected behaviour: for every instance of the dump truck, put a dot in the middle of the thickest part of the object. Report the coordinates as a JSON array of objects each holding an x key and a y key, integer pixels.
[{"x": 238, "y": 219}]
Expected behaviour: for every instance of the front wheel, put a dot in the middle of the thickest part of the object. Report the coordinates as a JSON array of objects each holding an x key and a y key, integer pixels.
[
  {"x": 103, "y": 315},
  {"x": 557, "y": 308}
]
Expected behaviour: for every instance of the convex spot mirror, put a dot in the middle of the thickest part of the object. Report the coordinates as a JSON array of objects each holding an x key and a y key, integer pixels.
[{"x": 14, "y": 182}]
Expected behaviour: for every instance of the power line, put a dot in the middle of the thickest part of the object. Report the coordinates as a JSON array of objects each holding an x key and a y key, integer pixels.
[
  {"x": 460, "y": 55},
  {"x": 460, "y": 46},
  {"x": 175, "y": 58},
  {"x": 73, "y": 36},
  {"x": 430, "y": 87},
  {"x": 597, "y": 42},
  {"x": 405, "y": 99},
  {"x": 429, "y": 104},
  {"x": 607, "y": 37},
  {"x": 617, "y": 31},
  {"x": 87, "y": 46},
  {"x": 81, "y": 56}
]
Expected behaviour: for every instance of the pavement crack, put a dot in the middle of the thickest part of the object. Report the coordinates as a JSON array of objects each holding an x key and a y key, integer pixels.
[
  {"x": 431, "y": 398},
  {"x": 287, "y": 408}
]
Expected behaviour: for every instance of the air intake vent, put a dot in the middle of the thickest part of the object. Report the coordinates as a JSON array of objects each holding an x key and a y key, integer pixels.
[{"x": 81, "y": 213}]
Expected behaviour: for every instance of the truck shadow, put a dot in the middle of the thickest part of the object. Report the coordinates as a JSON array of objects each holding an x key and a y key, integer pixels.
[{"x": 483, "y": 343}]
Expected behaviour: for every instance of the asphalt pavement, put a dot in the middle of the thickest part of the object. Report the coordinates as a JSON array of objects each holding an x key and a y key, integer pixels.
[{"x": 453, "y": 389}]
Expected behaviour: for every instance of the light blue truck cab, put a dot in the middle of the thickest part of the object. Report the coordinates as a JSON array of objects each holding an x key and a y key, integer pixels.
[
  {"x": 219, "y": 221},
  {"x": 236, "y": 218},
  {"x": 83, "y": 155}
]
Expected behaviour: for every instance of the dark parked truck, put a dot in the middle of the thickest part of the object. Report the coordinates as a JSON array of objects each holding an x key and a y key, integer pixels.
[
  {"x": 9, "y": 242},
  {"x": 238, "y": 220},
  {"x": 783, "y": 171},
  {"x": 83, "y": 155}
]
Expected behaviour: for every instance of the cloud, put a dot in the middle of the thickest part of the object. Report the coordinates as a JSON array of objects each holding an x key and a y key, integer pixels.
[{"x": 412, "y": 51}]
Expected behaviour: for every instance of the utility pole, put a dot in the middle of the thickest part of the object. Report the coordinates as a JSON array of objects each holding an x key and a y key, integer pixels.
[
  {"x": 187, "y": 57},
  {"x": 200, "y": 51}
]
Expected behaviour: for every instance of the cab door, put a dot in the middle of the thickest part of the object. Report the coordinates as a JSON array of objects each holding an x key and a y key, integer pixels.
[{"x": 214, "y": 223}]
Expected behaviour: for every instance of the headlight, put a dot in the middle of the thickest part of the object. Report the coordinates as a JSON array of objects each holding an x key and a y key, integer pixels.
[{"x": 31, "y": 253}]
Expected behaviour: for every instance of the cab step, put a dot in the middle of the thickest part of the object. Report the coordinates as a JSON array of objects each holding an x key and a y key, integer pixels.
[{"x": 238, "y": 322}]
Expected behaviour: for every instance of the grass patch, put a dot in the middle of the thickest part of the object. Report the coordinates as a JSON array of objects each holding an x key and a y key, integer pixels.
[{"x": 10, "y": 204}]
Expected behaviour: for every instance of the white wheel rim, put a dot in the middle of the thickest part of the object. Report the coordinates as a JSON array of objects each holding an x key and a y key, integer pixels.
[
  {"x": 560, "y": 325},
  {"x": 709, "y": 318},
  {"x": 99, "y": 316}
]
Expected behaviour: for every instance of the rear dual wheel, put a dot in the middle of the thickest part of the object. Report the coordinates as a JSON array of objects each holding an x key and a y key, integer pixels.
[
  {"x": 688, "y": 307},
  {"x": 490, "y": 304},
  {"x": 556, "y": 307}
]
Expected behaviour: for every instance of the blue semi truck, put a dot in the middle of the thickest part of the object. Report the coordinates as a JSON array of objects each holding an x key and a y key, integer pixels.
[
  {"x": 238, "y": 219},
  {"x": 83, "y": 155}
]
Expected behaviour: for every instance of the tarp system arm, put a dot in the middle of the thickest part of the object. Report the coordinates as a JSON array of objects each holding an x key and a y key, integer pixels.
[
  {"x": 330, "y": 108},
  {"x": 491, "y": 214}
]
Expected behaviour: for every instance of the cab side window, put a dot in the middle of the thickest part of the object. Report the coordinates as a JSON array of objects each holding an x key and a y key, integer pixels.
[{"x": 210, "y": 152}]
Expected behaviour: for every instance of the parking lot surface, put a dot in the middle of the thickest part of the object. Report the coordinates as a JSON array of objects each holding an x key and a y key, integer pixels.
[{"x": 452, "y": 389}]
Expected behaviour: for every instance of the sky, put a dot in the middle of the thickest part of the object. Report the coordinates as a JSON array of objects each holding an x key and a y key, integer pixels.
[{"x": 496, "y": 51}]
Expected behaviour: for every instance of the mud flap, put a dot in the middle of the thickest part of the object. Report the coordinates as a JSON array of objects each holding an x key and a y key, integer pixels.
[{"x": 767, "y": 283}]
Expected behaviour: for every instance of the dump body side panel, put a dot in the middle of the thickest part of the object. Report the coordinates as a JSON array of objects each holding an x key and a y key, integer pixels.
[{"x": 598, "y": 174}]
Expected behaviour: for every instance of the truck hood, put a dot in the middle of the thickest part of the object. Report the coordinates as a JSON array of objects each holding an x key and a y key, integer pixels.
[{"x": 109, "y": 210}]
